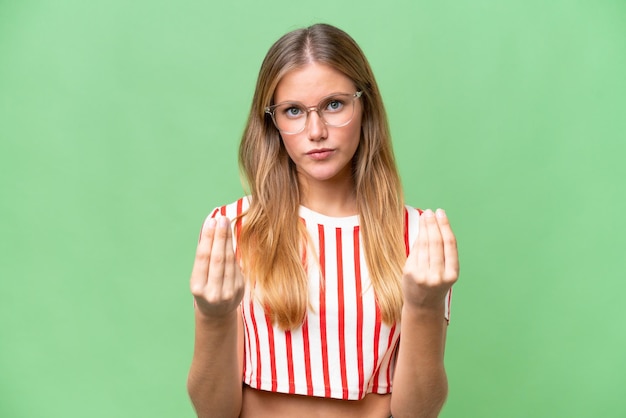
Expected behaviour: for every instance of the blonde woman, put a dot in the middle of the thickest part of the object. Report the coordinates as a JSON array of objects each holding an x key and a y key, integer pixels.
[{"x": 303, "y": 288}]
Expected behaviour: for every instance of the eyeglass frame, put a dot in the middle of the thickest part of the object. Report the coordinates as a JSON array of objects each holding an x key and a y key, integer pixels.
[{"x": 271, "y": 109}]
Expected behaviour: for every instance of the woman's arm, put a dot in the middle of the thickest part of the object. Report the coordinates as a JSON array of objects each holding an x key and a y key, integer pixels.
[
  {"x": 214, "y": 382},
  {"x": 420, "y": 384}
]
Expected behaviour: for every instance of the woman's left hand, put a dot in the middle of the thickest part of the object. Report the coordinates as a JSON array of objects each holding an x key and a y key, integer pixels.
[{"x": 432, "y": 266}]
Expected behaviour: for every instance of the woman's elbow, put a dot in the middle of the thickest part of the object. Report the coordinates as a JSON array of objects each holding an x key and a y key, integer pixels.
[{"x": 424, "y": 404}]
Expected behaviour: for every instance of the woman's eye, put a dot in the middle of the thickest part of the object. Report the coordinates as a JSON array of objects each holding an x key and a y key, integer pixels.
[
  {"x": 292, "y": 112},
  {"x": 334, "y": 105}
]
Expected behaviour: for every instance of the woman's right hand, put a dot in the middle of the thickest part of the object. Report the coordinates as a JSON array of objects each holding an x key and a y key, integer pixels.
[{"x": 216, "y": 281}]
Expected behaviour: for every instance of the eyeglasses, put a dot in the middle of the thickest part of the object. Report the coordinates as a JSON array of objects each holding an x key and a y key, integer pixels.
[{"x": 335, "y": 110}]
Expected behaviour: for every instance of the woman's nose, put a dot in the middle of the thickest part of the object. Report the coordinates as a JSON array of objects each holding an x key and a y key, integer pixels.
[{"x": 316, "y": 128}]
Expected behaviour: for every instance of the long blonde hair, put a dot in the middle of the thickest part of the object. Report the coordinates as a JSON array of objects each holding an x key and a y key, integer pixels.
[{"x": 272, "y": 238}]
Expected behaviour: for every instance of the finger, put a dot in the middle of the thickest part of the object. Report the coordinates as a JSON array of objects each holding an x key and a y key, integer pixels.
[
  {"x": 230, "y": 267},
  {"x": 229, "y": 270},
  {"x": 215, "y": 279},
  {"x": 435, "y": 245},
  {"x": 200, "y": 270},
  {"x": 449, "y": 246},
  {"x": 422, "y": 245}
]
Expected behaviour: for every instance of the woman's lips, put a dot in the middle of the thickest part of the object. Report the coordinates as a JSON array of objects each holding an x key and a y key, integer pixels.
[{"x": 320, "y": 154}]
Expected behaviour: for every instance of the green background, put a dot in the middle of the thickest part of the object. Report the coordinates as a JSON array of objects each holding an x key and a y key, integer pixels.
[{"x": 119, "y": 125}]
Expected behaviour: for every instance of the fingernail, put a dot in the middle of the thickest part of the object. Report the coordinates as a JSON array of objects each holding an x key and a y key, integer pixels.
[
  {"x": 208, "y": 223},
  {"x": 224, "y": 222},
  {"x": 441, "y": 213},
  {"x": 428, "y": 213}
]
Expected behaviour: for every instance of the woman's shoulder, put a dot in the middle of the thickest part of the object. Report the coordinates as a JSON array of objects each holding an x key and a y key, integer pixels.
[
  {"x": 232, "y": 209},
  {"x": 411, "y": 223},
  {"x": 411, "y": 214},
  {"x": 412, "y": 210}
]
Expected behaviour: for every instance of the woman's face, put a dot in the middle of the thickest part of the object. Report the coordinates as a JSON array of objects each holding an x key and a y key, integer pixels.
[{"x": 320, "y": 152}]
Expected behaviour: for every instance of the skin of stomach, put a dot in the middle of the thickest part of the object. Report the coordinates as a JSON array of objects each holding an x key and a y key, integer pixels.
[{"x": 262, "y": 404}]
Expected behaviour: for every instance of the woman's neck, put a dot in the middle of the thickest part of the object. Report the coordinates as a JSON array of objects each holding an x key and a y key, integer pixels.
[{"x": 329, "y": 198}]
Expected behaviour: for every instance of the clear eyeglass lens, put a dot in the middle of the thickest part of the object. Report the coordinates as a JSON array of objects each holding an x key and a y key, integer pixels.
[{"x": 335, "y": 111}]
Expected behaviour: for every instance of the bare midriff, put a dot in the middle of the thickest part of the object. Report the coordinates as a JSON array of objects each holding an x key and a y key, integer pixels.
[{"x": 261, "y": 404}]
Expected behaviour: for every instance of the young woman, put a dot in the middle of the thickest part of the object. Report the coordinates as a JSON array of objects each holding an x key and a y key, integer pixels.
[{"x": 303, "y": 288}]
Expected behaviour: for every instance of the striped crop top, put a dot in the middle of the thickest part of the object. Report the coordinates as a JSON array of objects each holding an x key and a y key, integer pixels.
[{"x": 342, "y": 350}]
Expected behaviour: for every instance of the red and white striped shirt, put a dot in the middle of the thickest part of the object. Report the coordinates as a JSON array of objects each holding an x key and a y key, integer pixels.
[{"x": 342, "y": 350}]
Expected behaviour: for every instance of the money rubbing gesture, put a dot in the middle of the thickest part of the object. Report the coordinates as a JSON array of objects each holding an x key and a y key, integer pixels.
[
  {"x": 216, "y": 280},
  {"x": 217, "y": 286},
  {"x": 433, "y": 264},
  {"x": 420, "y": 382}
]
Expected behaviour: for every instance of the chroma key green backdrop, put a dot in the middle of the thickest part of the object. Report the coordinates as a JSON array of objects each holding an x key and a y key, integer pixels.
[{"x": 119, "y": 125}]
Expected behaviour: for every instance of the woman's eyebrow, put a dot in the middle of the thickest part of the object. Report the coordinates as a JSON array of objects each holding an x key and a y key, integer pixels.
[{"x": 318, "y": 102}]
